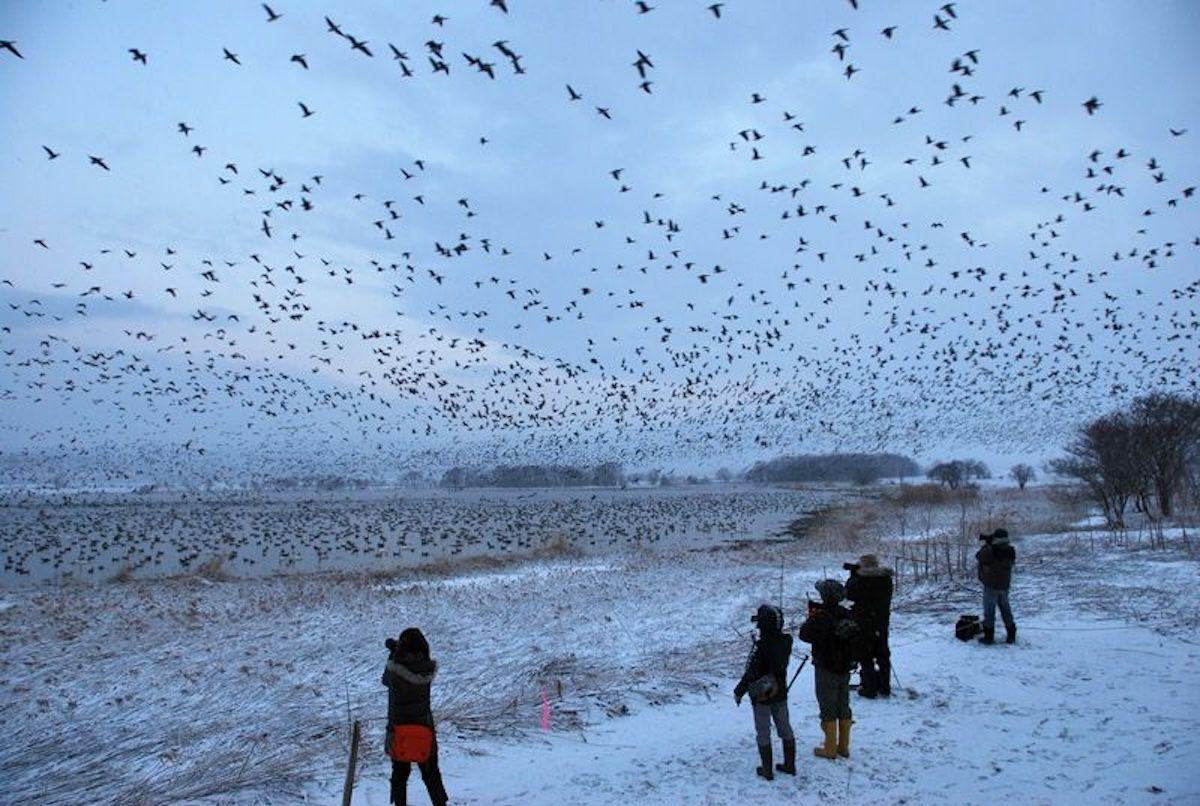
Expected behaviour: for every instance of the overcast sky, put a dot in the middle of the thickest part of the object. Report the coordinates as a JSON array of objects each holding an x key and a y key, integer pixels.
[{"x": 815, "y": 365}]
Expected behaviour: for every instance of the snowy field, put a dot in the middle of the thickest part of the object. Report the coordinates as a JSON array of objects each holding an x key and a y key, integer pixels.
[
  {"x": 238, "y": 692},
  {"x": 1098, "y": 702}
]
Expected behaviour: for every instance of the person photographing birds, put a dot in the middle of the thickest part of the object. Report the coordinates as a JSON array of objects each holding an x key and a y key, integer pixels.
[
  {"x": 408, "y": 675},
  {"x": 765, "y": 680},
  {"x": 833, "y": 633},
  {"x": 869, "y": 588},
  {"x": 996, "y": 559}
]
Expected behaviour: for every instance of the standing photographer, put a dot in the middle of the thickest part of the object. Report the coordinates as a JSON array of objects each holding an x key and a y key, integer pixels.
[
  {"x": 832, "y": 633},
  {"x": 408, "y": 675},
  {"x": 870, "y": 590},
  {"x": 996, "y": 560},
  {"x": 765, "y": 679}
]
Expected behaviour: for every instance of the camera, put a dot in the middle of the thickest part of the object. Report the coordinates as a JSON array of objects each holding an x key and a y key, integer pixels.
[
  {"x": 851, "y": 567},
  {"x": 391, "y": 643}
]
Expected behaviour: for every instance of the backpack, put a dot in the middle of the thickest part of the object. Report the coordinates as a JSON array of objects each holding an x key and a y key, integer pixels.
[
  {"x": 846, "y": 637},
  {"x": 967, "y": 627}
]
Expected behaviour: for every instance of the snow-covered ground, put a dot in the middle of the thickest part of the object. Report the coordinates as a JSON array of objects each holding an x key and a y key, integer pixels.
[
  {"x": 239, "y": 692},
  {"x": 1098, "y": 702}
]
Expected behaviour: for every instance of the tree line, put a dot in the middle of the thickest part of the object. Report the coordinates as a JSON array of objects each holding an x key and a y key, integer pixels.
[
  {"x": 605, "y": 474},
  {"x": 860, "y": 468}
]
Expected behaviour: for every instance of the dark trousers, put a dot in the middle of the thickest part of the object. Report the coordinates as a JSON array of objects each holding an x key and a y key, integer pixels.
[
  {"x": 875, "y": 666},
  {"x": 430, "y": 774}
]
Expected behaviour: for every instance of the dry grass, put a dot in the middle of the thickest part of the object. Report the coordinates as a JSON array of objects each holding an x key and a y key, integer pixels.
[{"x": 213, "y": 569}]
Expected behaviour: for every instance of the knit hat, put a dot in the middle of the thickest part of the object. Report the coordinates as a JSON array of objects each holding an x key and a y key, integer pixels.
[
  {"x": 831, "y": 591},
  {"x": 768, "y": 618},
  {"x": 1001, "y": 535},
  {"x": 868, "y": 561}
]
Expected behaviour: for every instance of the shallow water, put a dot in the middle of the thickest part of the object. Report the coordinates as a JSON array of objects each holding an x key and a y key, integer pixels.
[{"x": 95, "y": 536}]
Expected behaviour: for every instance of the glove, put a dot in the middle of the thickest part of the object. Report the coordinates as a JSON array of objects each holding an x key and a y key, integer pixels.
[{"x": 737, "y": 698}]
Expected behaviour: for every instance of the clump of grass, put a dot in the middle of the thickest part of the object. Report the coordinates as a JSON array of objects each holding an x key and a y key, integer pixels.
[
  {"x": 213, "y": 569},
  {"x": 124, "y": 575}
]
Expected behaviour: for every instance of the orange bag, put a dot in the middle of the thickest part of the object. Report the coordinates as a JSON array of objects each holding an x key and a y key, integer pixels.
[{"x": 409, "y": 743}]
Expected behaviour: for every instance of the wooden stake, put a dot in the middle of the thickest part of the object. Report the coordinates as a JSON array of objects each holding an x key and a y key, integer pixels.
[{"x": 348, "y": 789}]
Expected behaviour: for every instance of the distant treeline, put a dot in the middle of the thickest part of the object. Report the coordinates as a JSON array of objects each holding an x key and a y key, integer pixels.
[
  {"x": 860, "y": 468},
  {"x": 606, "y": 474}
]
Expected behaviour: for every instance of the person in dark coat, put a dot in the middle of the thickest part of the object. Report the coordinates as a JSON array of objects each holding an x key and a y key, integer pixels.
[
  {"x": 833, "y": 660},
  {"x": 765, "y": 678},
  {"x": 870, "y": 590},
  {"x": 408, "y": 675},
  {"x": 996, "y": 560}
]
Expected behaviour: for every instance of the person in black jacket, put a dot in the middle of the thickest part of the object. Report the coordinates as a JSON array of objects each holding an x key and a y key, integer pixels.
[
  {"x": 765, "y": 679},
  {"x": 870, "y": 589},
  {"x": 831, "y": 630},
  {"x": 408, "y": 675},
  {"x": 996, "y": 560}
]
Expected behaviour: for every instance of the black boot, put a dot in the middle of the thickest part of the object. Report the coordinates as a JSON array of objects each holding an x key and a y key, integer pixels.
[
  {"x": 788, "y": 767},
  {"x": 766, "y": 770},
  {"x": 1011, "y": 637},
  {"x": 989, "y": 635},
  {"x": 868, "y": 682}
]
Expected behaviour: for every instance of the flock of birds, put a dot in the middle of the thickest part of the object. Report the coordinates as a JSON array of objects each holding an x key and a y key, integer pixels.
[
  {"x": 95, "y": 537},
  {"x": 743, "y": 359}
]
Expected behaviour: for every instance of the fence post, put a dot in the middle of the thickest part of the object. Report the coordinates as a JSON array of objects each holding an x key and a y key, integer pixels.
[{"x": 348, "y": 789}]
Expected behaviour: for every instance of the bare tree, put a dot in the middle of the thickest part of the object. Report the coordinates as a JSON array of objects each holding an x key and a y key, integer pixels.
[
  {"x": 1105, "y": 456},
  {"x": 1022, "y": 474},
  {"x": 1168, "y": 429},
  {"x": 948, "y": 474}
]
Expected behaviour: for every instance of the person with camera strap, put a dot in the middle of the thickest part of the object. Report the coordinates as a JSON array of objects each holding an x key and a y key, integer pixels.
[
  {"x": 833, "y": 633},
  {"x": 765, "y": 680}
]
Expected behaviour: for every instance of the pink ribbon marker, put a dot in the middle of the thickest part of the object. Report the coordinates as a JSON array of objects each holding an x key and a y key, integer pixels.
[{"x": 545, "y": 711}]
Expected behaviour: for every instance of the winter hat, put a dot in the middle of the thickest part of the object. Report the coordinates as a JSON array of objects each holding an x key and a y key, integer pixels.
[
  {"x": 1001, "y": 535},
  {"x": 831, "y": 591},
  {"x": 868, "y": 561},
  {"x": 769, "y": 618}
]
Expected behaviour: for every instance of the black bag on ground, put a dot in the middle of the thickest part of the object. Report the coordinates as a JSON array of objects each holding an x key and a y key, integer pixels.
[{"x": 967, "y": 627}]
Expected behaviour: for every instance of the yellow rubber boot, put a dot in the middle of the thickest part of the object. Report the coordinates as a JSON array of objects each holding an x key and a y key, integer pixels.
[
  {"x": 829, "y": 749},
  {"x": 843, "y": 743}
]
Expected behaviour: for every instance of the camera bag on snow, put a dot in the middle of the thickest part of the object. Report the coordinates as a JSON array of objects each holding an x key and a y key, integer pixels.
[{"x": 967, "y": 627}]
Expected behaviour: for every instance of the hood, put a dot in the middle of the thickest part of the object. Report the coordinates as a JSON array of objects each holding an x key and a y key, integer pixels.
[{"x": 414, "y": 669}]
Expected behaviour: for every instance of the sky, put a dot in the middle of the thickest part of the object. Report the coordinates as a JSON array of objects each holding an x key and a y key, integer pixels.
[{"x": 970, "y": 305}]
